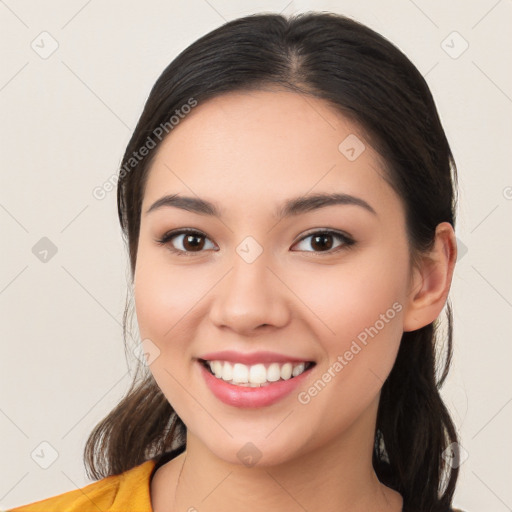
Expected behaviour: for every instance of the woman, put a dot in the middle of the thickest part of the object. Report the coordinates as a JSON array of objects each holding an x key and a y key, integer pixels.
[{"x": 288, "y": 199}]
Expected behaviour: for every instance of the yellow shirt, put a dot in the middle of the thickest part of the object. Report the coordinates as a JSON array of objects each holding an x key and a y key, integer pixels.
[{"x": 127, "y": 492}]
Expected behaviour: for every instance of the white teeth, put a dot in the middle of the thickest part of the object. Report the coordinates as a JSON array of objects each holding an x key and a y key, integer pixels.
[
  {"x": 298, "y": 369},
  {"x": 240, "y": 372},
  {"x": 273, "y": 372},
  {"x": 227, "y": 371},
  {"x": 286, "y": 371},
  {"x": 256, "y": 375},
  {"x": 216, "y": 367}
]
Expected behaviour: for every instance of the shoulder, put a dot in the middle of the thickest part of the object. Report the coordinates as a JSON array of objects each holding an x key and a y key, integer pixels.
[{"x": 117, "y": 493}]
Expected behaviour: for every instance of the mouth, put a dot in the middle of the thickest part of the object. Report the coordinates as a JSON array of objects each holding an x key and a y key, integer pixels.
[{"x": 256, "y": 375}]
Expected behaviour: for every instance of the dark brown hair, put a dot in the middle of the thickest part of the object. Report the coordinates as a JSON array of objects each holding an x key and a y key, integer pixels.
[{"x": 365, "y": 77}]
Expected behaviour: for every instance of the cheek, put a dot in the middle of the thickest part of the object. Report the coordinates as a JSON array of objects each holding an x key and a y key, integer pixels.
[
  {"x": 154, "y": 304},
  {"x": 347, "y": 299},
  {"x": 358, "y": 313},
  {"x": 164, "y": 304},
  {"x": 166, "y": 296}
]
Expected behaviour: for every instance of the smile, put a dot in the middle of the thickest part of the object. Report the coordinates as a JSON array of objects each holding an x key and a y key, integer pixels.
[{"x": 257, "y": 375}]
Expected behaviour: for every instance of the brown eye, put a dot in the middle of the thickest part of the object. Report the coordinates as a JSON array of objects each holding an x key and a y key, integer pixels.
[
  {"x": 193, "y": 242},
  {"x": 184, "y": 242},
  {"x": 322, "y": 241}
]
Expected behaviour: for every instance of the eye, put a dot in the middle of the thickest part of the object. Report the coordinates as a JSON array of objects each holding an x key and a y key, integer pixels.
[
  {"x": 190, "y": 239},
  {"x": 323, "y": 241}
]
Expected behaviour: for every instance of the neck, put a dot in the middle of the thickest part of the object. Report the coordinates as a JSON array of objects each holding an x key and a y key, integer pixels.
[{"x": 333, "y": 477}]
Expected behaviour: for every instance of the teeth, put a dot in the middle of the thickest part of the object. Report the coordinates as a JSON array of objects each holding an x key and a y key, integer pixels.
[
  {"x": 240, "y": 372},
  {"x": 216, "y": 367},
  {"x": 256, "y": 375},
  {"x": 227, "y": 371},
  {"x": 273, "y": 372},
  {"x": 286, "y": 371},
  {"x": 298, "y": 369}
]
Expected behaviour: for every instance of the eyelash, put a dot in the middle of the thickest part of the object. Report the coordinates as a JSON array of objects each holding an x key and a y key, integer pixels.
[{"x": 167, "y": 237}]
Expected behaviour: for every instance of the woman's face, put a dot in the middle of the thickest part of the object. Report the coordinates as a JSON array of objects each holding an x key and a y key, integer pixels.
[{"x": 271, "y": 289}]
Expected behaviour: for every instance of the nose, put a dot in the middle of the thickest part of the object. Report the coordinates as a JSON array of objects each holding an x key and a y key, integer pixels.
[{"x": 249, "y": 297}]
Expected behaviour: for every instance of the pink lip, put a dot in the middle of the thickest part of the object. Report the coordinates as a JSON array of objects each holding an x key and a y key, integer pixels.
[
  {"x": 240, "y": 396},
  {"x": 250, "y": 358}
]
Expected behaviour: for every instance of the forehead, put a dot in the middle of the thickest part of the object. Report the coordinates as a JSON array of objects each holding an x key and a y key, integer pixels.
[{"x": 248, "y": 145}]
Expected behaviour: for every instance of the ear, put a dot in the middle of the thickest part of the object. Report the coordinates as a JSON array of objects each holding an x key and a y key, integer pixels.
[{"x": 430, "y": 283}]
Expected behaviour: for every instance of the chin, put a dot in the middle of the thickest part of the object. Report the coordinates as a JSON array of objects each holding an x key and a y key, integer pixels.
[{"x": 256, "y": 451}]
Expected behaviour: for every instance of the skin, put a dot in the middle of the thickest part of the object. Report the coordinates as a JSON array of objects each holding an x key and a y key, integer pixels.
[{"x": 249, "y": 152}]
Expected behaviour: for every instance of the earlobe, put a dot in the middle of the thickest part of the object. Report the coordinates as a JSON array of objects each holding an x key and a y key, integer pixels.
[{"x": 431, "y": 283}]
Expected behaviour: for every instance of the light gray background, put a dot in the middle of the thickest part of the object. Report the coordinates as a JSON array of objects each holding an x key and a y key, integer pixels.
[{"x": 66, "y": 120}]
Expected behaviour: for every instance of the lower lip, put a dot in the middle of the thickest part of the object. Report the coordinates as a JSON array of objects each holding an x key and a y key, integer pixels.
[{"x": 241, "y": 396}]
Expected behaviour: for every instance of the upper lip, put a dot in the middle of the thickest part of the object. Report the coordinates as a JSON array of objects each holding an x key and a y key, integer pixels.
[{"x": 250, "y": 358}]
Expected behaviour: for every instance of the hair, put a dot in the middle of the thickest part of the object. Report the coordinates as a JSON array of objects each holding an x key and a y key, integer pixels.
[{"x": 366, "y": 78}]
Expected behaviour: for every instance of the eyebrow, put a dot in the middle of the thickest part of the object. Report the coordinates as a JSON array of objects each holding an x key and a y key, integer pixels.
[{"x": 291, "y": 207}]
